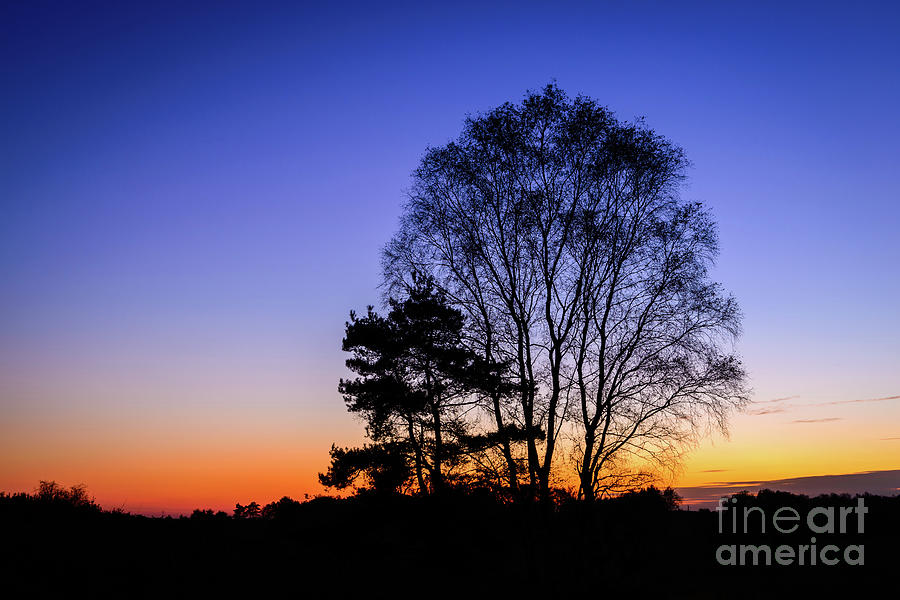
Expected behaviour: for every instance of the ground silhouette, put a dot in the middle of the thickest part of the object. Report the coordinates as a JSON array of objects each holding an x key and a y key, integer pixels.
[{"x": 371, "y": 545}]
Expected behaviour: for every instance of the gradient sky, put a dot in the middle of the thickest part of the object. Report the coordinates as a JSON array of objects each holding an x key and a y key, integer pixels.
[{"x": 195, "y": 195}]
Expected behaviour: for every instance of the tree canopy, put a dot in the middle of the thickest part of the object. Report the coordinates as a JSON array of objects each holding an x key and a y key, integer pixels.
[
  {"x": 559, "y": 232},
  {"x": 556, "y": 319},
  {"x": 416, "y": 378}
]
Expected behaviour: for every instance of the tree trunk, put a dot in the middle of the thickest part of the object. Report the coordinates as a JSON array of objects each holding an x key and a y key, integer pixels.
[
  {"x": 420, "y": 476},
  {"x": 506, "y": 448},
  {"x": 586, "y": 474},
  {"x": 437, "y": 476}
]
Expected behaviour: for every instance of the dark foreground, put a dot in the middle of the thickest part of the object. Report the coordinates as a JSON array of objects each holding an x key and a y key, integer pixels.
[{"x": 458, "y": 546}]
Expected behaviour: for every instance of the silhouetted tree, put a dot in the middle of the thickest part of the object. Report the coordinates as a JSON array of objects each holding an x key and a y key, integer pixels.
[
  {"x": 652, "y": 497},
  {"x": 416, "y": 377},
  {"x": 559, "y": 232},
  {"x": 284, "y": 508},
  {"x": 384, "y": 465},
  {"x": 250, "y": 511},
  {"x": 75, "y": 496}
]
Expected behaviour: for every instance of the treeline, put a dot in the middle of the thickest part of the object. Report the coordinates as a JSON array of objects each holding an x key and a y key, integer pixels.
[
  {"x": 286, "y": 507},
  {"x": 374, "y": 545},
  {"x": 51, "y": 497}
]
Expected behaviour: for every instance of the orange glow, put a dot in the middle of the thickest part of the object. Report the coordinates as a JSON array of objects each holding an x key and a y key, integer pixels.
[
  {"x": 807, "y": 439},
  {"x": 198, "y": 459},
  {"x": 176, "y": 460}
]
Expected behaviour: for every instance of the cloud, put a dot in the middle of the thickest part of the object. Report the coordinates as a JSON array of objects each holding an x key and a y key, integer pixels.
[
  {"x": 715, "y": 470},
  {"x": 740, "y": 484},
  {"x": 889, "y": 439},
  {"x": 767, "y": 411},
  {"x": 775, "y": 400},
  {"x": 882, "y": 399},
  {"x": 770, "y": 410},
  {"x": 885, "y": 483}
]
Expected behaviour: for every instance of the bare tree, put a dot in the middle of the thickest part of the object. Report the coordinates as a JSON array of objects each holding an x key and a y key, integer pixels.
[{"x": 560, "y": 233}]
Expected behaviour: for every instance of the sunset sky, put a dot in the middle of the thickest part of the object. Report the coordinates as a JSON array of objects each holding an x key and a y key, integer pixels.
[{"x": 194, "y": 197}]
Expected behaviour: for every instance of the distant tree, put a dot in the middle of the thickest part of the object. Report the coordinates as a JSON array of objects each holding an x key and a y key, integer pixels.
[
  {"x": 559, "y": 232},
  {"x": 285, "y": 507},
  {"x": 208, "y": 515},
  {"x": 76, "y": 495},
  {"x": 650, "y": 499},
  {"x": 250, "y": 511}
]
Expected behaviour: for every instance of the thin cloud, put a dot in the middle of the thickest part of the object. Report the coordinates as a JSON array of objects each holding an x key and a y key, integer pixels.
[
  {"x": 776, "y": 400},
  {"x": 755, "y": 482},
  {"x": 817, "y": 420},
  {"x": 771, "y": 410},
  {"x": 767, "y": 411},
  {"x": 884, "y": 483},
  {"x": 882, "y": 399},
  {"x": 715, "y": 470},
  {"x": 889, "y": 439}
]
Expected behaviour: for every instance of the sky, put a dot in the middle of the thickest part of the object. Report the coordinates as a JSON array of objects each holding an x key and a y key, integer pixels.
[{"x": 194, "y": 196}]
